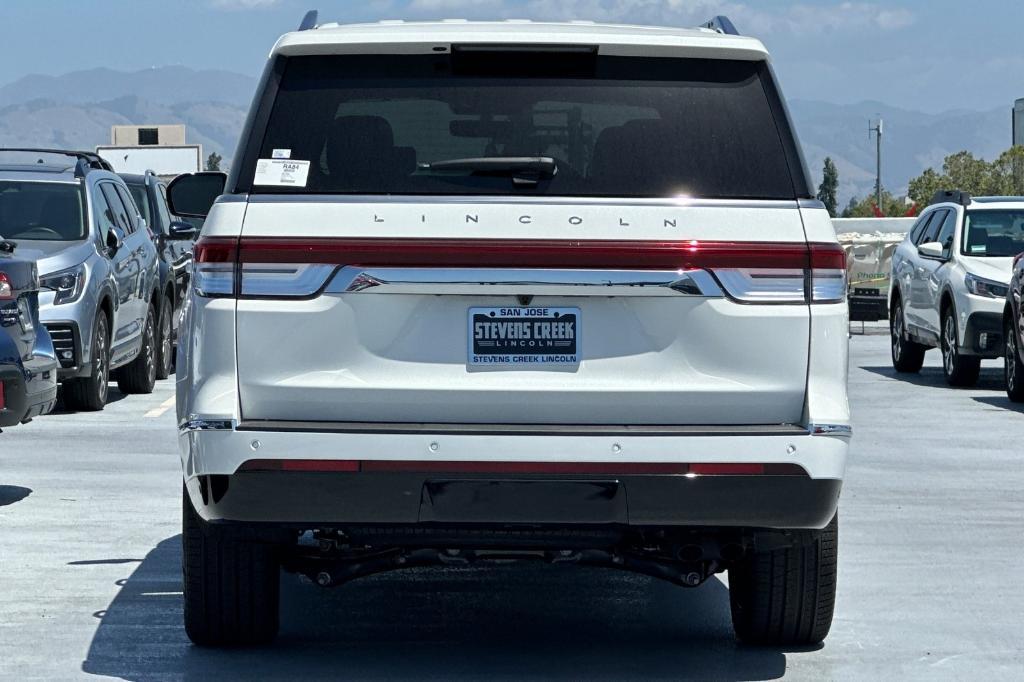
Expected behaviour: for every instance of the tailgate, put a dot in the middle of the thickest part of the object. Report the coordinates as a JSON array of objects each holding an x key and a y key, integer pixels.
[{"x": 341, "y": 326}]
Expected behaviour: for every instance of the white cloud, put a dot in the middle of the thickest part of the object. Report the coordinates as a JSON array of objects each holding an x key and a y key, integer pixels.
[
  {"x": 841, "y": 16},
  {"x": 243, "y": 4},
  {"x": 799, "y": 17},
  {"x": 435, "y": 5}
]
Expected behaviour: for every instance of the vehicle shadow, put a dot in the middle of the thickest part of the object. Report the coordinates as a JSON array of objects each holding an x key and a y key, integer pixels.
[
  {"x": 9, "y": 494},
  {"x": 499, "y": 622},
  {"x": 113, "y": 395},
  {"x": 990, "y": 379},
  {"x": 1001, "y": 402}
]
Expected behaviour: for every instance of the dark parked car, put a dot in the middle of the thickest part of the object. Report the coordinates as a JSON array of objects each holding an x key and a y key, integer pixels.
[
  {"x": 1013, "y": 330},
  {"x": 174, "y": 239},
  {"x": 28, "y": 363}
]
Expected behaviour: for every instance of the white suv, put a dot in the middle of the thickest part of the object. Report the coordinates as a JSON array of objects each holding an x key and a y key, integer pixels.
[
  {"x": 950, "y": 277},
  {"x": 481, "y": 290}
]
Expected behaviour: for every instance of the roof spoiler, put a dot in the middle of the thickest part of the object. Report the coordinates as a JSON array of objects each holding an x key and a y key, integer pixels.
[
  {"x": 722, "y": 24},
  {"x": 84, "y": 160},
  {"x": 954, "y": 196},
  {"x": 309, "y": 20}
]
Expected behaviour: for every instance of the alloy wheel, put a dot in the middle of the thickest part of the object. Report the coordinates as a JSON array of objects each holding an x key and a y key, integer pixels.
[
  {"x": 102, "y": 361},
  {"x": 1011, "y": 361},
  {"x": 150, "y": 350},
  {"x": 165, "y": 340},
  {"x": 949, "y": 345},
  {"x": 897, "y": 332}
]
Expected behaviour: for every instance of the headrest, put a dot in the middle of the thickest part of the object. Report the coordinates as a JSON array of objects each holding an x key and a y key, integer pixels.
[{"x": 358, "y": 139}]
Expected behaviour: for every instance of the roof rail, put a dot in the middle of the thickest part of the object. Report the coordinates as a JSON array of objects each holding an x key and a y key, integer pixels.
[
  {"x": 309, "y": 20},
  {"x": 722, "y": 24},
  {"x": 951, "y": 196},
  {"x": 85, "y": 160}
]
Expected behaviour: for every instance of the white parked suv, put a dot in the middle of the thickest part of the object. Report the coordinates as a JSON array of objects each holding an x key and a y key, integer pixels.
[
  {"x": 498, "y": 290},
  {"x": 950, "y": 277}
]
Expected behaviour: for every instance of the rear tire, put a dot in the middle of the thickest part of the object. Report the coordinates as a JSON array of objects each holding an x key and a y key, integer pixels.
[
  {"x": 1012, "y": 366},
  {"x": 231, "y": 584},
  {"x": 907, "y": 355},
  {"x": 140, "y": 375},
  {"x": 164, "y": 341},
  {"x": 90, "y": 394},
  {"x": 786, "y": 596},
  {"x": 960, "y": 370}
]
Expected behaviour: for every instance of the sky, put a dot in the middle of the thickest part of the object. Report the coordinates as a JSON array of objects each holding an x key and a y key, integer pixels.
[{"x": 925, "y": 55}]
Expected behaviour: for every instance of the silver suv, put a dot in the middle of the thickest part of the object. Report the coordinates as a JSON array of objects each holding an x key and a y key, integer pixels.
[
  {"x": 97, "y": 264},
  {"x": 498, "y": 290}
]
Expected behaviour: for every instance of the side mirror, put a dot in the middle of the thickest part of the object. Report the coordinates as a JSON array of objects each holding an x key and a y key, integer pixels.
[
  {"x": 192, "y": 195},
  {"x": 179, "y": 229},
  {"x": 115, "y": 239},
  {"x": 931, "y": 250}
]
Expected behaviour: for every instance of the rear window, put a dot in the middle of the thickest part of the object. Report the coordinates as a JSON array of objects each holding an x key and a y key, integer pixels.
[
  {"x": 45, "y": 211},
  {"x": 614, "y": 126},
  {"x": 141, "y": 198}
]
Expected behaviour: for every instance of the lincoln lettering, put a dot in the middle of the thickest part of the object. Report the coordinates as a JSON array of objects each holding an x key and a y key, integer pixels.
[{"x": 574, "y": 220}]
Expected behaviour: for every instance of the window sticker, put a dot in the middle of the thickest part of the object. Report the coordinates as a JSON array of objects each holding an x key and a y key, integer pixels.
[
  {"x": 282, "y": 154},
  {"x": 281, "y": 172},
  {"x": 978, "y": 248}
]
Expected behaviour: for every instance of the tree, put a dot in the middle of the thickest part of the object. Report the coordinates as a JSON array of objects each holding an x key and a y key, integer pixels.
[
  {"x": 964, "y": 172},
  {"x": 829, "y": 186},
  {"x": 1008, "y": 173},
  {"x": 850, "y": 208},
  {"x": 1004, "y": 176},
  {"x": 865, "y": 208},
  {"x": 213, "y": 161},
  {"x": 924, "y": 186}
]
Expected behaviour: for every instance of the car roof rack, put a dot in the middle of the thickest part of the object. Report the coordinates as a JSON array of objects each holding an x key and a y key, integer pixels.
[
  {"x": 722, "y": 24},
  {"x": 309, "y": 20},
  {"x": 998, "y": 199},
  {"x": 951, "y": 196},
  {"x": 85, "y": 161}
]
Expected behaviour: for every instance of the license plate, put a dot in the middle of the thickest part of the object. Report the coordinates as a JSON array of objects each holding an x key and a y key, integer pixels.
[{"x": 524, "y": 337}]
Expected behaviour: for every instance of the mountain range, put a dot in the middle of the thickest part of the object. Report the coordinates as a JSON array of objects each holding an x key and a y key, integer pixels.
[{"x": 76, "y": 110}]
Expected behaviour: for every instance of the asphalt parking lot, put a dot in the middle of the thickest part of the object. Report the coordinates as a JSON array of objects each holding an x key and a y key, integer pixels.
[{"x": 930, "y": 567}]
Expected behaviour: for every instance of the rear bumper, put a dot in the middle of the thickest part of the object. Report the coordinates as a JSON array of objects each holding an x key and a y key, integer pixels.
[
  {"x": 315, "y": 500},
  {"x": 30, "y": 387},
  {"x": 23, "y": 399},
  {"x": 419, "y": 475}
]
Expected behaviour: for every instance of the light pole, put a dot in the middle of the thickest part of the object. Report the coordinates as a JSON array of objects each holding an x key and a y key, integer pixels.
[{"x": 877, "y": 130}]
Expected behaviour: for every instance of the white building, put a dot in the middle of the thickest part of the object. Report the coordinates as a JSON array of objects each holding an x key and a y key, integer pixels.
[
  {"x": 159, "y": 148},
  {"x": 1018, "y": 122}
]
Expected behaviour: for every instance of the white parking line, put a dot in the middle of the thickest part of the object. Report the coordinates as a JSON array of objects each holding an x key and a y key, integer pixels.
[{"x": 164, "y": 406}]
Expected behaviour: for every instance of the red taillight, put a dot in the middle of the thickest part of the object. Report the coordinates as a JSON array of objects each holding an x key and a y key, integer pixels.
[
  {"x": 827, "y": 257},
  {"x": 539, "y": 253},
  {"x": 752, "y": 272},
  {"x": 215, "y": 250},
  {"x": 726, "y": 469},
  {"x": 6, "y": 288},
  {"x": 828, "y": 273},
  {"x": 215, "y": 260}
]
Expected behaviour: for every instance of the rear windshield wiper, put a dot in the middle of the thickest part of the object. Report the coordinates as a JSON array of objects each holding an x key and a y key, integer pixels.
[{"x": 525, "y": 170}]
